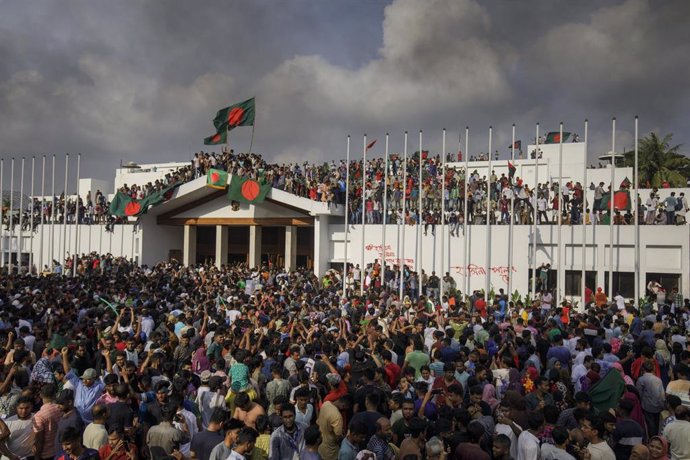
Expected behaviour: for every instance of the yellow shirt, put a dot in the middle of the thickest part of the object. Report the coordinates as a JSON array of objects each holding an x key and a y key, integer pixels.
[
  {"x": 261, "y": 447},
  {"x": 330, "y": 423}
]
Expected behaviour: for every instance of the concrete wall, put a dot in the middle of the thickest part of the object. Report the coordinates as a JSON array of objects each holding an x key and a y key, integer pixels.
[{"x": 664, "y": 249}]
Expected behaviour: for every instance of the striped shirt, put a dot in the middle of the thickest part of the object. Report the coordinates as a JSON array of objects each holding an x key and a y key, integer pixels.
[{"x": 46, "y": 421}]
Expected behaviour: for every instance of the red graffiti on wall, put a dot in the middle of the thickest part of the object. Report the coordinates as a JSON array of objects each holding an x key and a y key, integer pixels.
[
  {"x": 475, "y": 270},
  {"x": 388, "y": 253}
]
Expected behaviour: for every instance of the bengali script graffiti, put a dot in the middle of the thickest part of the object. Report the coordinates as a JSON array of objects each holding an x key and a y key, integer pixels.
[
  {"x": 476, "y": 270},
  {"x": 388, "y": 253}
]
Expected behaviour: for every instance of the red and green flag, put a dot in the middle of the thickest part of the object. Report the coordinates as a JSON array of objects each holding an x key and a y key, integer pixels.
[
  {"x": 247, "y": 190},
  {"x": 511, "y": 170},
  {"x": 240, "y": 114},
  {"x": 621, "y": 201},
  {"x": 221, "y": 137},
  {"x": 216, "y": 178},
  {"x": 554, "y": 137},
  {"x": 517, "y": 145},
  {"x": 123, "y": 205}
]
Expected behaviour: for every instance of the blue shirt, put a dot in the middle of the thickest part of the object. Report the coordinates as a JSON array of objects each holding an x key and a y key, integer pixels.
[{"x": 85, "y": 397}]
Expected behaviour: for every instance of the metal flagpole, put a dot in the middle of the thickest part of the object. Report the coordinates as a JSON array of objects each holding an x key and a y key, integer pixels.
[
  {"x": 347, "y": 214},
  {"x": 611, "y": 199},
  {"x": 31, "y": 216},
  {"x": 364, "y": 212},
  {"x": 487, "y": 252},
  {"x": 385, "y": 215},
  {"x": 584, "y": 218},
  {"x": 512, "y": 217},
  {"x": 533, "y": 203},
  {"x": 21, "y": 219},
  {"x": 63, "y": 247},
  {"x": 443, "y": 213},
  {"x": 466, "y": 215},
  {"x": 404, "y": 224},
  {"x": 561, "y": 264},
  {"x": 418, "y": 252},
  {"x": 11, "y": 265},
  {"x": 52, "y": 217},
  {"x": 76, "y": 221},
  {"x": 43, "y": 223},
  {"x": 637, "y": 218}
]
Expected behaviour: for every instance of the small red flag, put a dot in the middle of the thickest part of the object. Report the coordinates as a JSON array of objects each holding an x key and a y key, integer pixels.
[{"x": 371, "y": 144}]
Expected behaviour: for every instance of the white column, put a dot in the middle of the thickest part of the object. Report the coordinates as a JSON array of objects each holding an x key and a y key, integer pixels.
[
  {"x": 254, "y": 246},
  {"x": 221, "y": 245},
  {"x": 189, "y": 245},
  {"x": 321, "y": 246},
  {"x": 290, "y": 247}
]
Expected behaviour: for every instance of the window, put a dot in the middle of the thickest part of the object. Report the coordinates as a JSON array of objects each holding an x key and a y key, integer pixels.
[
  {"x": 573, "y": 281},
  {"x": 623, "y": 282},
  {"x": 667, "y": 280}
]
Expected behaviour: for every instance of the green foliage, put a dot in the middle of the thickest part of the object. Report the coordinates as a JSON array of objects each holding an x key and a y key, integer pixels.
[{"x": 659, "y": 162}]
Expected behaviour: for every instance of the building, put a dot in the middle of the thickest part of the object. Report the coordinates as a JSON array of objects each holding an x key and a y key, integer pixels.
[{"x": 199, "y": 224}]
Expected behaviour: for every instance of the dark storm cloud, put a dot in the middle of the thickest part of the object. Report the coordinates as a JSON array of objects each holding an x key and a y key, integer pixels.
[{"x": 142, "y": 80}]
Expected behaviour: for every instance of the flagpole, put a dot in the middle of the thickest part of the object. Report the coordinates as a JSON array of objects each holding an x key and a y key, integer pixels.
[
  {"x": 63, "y": 248},
  {"x": 487, "y": 252},
  {"x": 385, "y": 215},
  {"x": 21, "y": 219},
  {"x": 637, "y": 217},
  {"x": 561, "y": 264},
  {"x": 52, "y": 217},
  {"x": 251, "y": 141},
  {"x": 364, "y": 212},
  {"x": 11, "y": 265},
  {"x": 2, "y": 220},
  {"x": 584, "y": 221},
  {"x": 404, "y": 224},
  {"x": 443, "y": 213},
  {"x": 31, "y": 216},
  {"x": 533, "y": 202},
  {"x": 418, "y": 252},
  {"x": 466, "y": 214},
  {"x": 612, "y": 195},
  {"x": 76, "y": 221},
  {"x": 512, "y": 217},
  {"x": 347, "y": 213},
  {"x": 43, "y": 201}
]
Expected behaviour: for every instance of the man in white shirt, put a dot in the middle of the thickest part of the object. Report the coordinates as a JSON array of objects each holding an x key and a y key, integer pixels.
[
  {"x": 678, "y": 434},
  {"x": 593, "y": 429},
  {"x": 528, "y": 443},
  {"x": 21, "y": 438}
]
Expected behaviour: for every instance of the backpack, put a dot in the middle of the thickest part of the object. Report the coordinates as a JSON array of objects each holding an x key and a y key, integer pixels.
[{"x": 679, "y": 205}]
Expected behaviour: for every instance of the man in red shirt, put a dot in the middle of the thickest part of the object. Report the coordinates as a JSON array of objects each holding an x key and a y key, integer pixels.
[{"x": 480, "y": 306}]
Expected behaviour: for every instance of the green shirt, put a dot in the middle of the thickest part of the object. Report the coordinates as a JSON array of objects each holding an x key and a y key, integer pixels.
[{"x": 416, "y": 359}]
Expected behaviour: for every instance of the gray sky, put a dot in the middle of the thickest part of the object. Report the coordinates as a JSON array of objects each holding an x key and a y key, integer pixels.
[{"x": 142, "y": 80}]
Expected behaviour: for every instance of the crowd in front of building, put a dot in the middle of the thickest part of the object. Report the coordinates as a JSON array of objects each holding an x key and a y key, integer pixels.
[{"x": 123, "y": 362}]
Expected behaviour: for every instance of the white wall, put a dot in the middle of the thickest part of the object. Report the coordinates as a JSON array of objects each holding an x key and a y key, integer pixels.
[{"x": 662, "y": 249}]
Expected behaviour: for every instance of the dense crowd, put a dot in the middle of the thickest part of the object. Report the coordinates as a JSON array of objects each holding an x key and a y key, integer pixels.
[
  {"x": 124, "y": 362},
  {"x": 392, "y": 194}
]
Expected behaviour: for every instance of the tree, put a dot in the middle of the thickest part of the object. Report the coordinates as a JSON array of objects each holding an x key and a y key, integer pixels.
[{"x": 659, "y": 162}]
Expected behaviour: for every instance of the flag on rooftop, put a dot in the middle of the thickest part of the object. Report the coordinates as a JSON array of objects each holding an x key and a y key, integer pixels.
[
  {"x": 517, "y": 145},
  {"x": 554, "y": 137},
  {"x": 240, "y": 114},
  {"x": 247, "y": 190},
  {"x": 216, "y": 178},
  {"x": 221, "y": 137}
]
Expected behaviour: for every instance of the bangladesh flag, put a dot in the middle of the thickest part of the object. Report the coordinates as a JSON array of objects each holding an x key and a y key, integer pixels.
[
  {"x": 125, "y": 206},
  {"x": 554, "y": 137},
  {"x": 246, "y": 190},
  {"x": 517, "y": 145},
  {"x": 240, "y": 114},
  {"x": 221, "y": 137},
  {"x": 621, "y": 201},
  {"x": 215, "y": 178},
  {"x": 511, "y": 170}
]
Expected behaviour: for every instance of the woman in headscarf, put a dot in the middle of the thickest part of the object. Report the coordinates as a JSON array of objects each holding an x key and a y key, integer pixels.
[
  {"x": 619, "y": 367},
  {"x": 663, "y": 357},
  {"x": 489, "y": 396},
  {"x": 636, "y": 414},
  {"x": 658, "y": 448}
]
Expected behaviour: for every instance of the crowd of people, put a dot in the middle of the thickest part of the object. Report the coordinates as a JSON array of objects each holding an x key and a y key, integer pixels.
[
  {"x": 125, "y": 362},
  {"x": 391, "y": 194}
]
